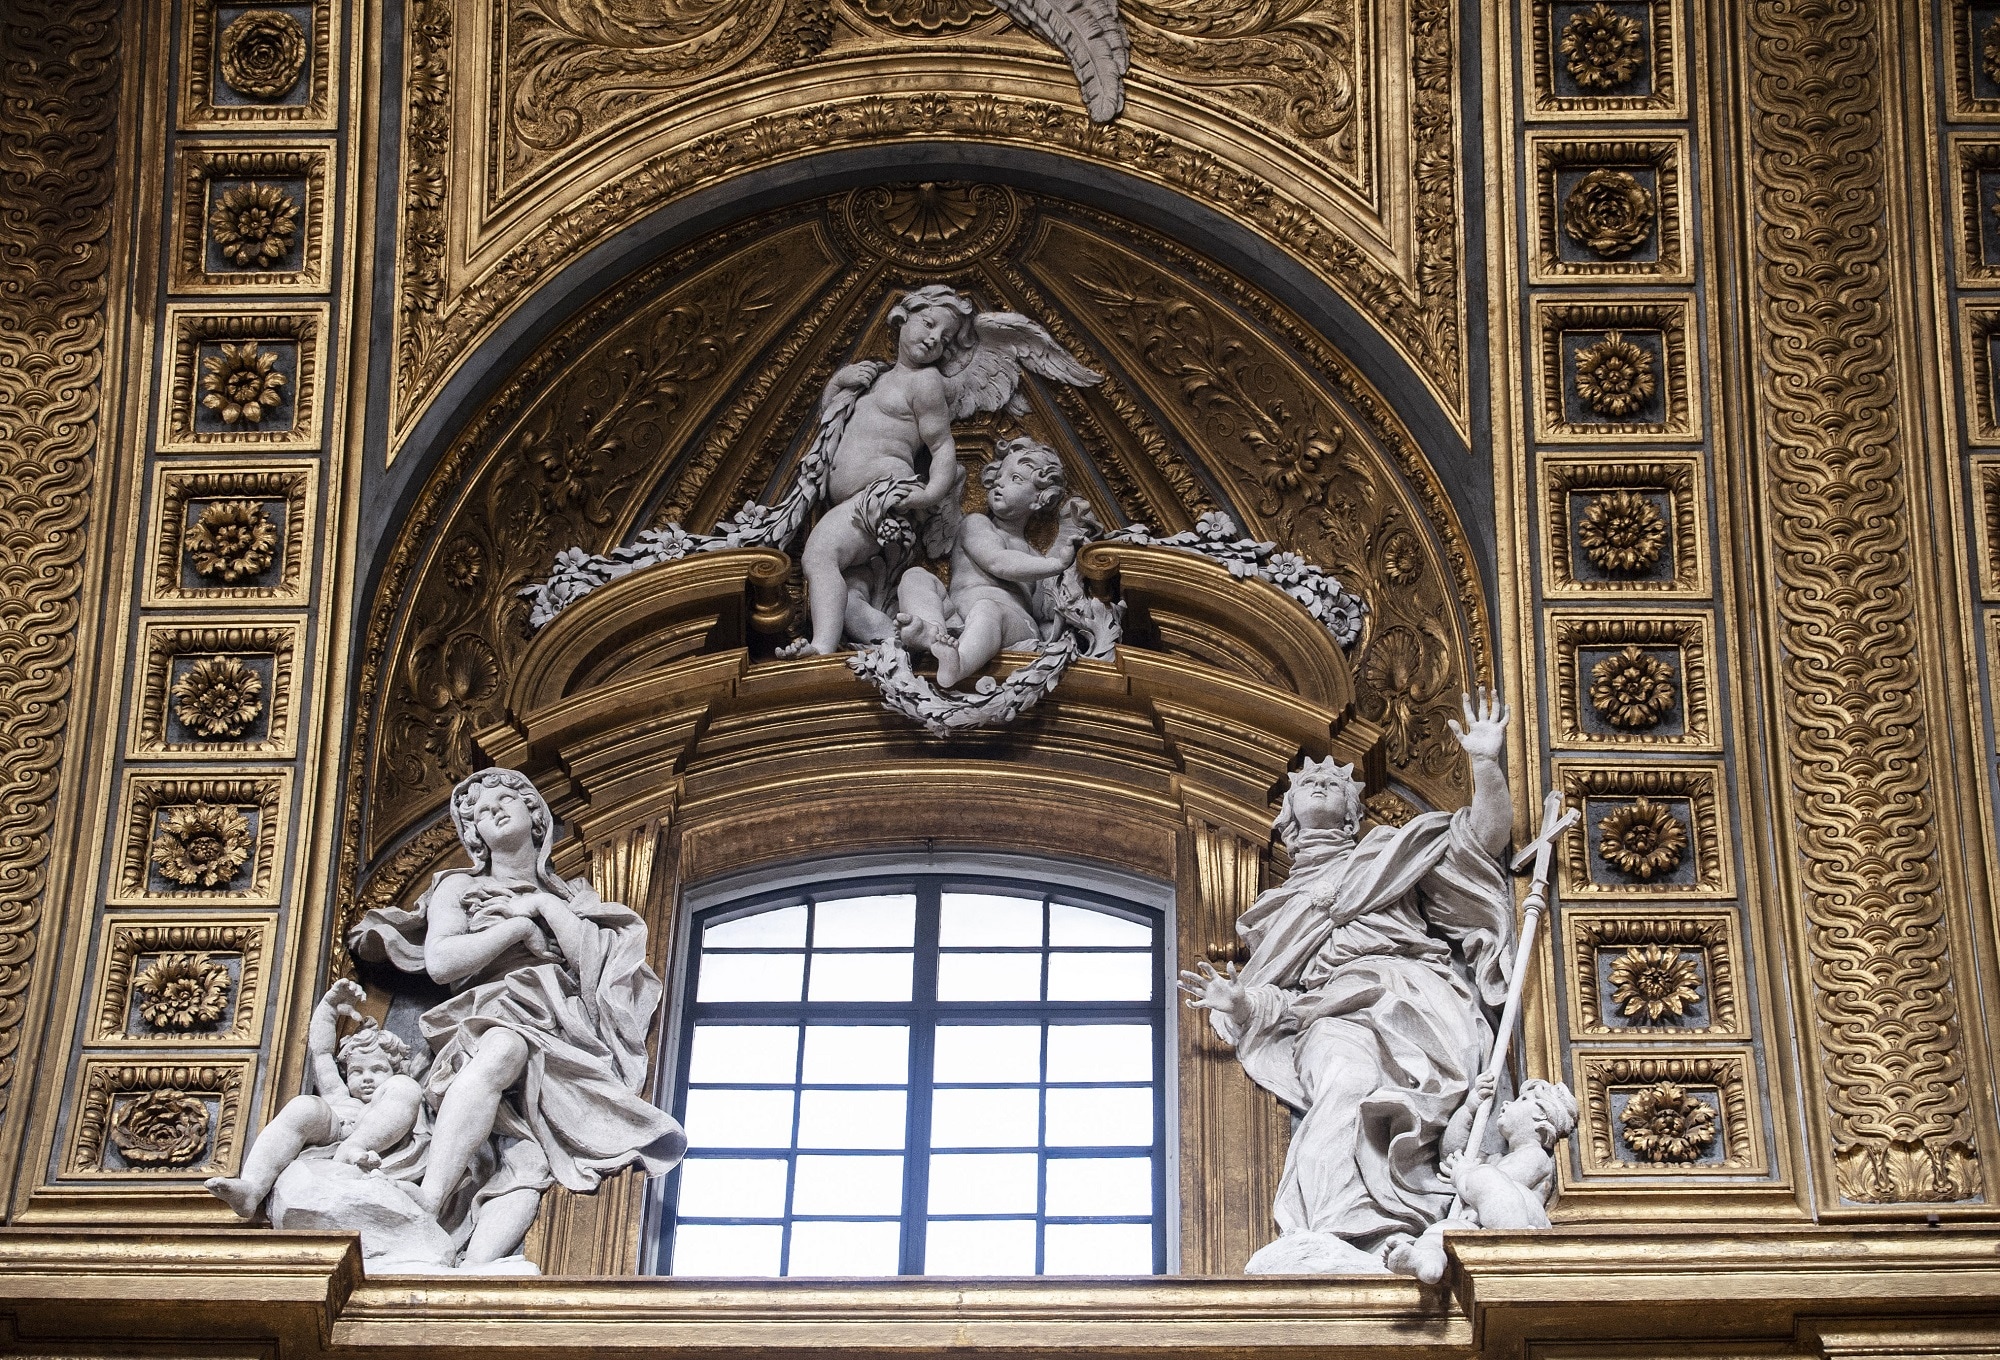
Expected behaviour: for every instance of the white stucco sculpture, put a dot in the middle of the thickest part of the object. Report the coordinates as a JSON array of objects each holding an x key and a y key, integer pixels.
[
  {"x": 1375, "y": 970},
  {"x": 1509, "y": 1190},
  {"x": 538, "y": 1059}
]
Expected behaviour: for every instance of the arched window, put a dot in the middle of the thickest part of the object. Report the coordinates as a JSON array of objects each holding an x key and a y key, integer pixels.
[{"x": 956, "y": 1074}]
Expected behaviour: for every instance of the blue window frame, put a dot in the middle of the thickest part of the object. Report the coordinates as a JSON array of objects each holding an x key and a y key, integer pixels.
[{"x": 938, "y": 1074}]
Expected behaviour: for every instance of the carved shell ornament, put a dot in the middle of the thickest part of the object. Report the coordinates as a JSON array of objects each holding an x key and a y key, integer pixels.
[{"x": 896, "y": 527}]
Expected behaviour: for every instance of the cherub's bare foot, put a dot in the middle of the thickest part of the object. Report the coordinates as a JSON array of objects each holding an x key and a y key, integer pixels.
[
  {"x": 797, "y": 648},
  {"x": 918, "y": 635},
  {"x": 950, "y": 669},
  {"x": 236, "y": 1192}
]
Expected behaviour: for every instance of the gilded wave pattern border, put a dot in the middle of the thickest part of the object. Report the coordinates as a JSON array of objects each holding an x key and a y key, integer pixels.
[
  {"x": 1854, "y": 723},
  {"x": 59, "y": 82}
]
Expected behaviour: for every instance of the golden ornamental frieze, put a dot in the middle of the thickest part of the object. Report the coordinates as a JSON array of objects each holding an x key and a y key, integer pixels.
[
  {"x": 565, "y": 455},
  {"x": 58, "y": 102},
  {"x": 1837, "y": 478},
  {"x": 473, "y": 243}
]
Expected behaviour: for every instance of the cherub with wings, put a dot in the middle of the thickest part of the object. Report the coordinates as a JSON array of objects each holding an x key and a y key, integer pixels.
[{"x": 952, "y": 361}]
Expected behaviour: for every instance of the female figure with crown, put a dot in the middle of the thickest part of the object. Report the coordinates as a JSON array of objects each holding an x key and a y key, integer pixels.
[{"x": 1367, "y": 1002}]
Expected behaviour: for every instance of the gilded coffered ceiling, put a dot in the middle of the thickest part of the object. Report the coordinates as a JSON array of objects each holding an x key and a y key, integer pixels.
[
  {"x": 689, "y": 388},
  {"x": 1328, "y": 128}
]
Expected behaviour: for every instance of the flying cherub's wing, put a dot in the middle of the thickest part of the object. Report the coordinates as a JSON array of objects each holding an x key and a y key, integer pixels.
[
  {"x": 1092, "y": 36},
  {"x": 986, "y": 376}
]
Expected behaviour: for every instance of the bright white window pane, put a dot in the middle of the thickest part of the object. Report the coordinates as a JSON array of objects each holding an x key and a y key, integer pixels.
[
  {"x": 1098, "y": 1249},
  {"x": 983, "y": 1183},
  {"x": 985, "y": 919},
  {"x": 846, "y": 1249},
  {"x": 860, "y": 977},
  {"x": 851, "y": 1119},
  {"x": 751, "y": 977},
  {"x": 732, "y": 1187},
  {"x": 863, "y": 923},
  {"x": 1100, "y": 977},
  {"x": 848, "y": 1185},
  {"x": 986, "y": 1118},
  {"x": 739, "y": 1119},
  {"x": 1082, "y": 926},
  {"x": 1100, "y": 1053},
  {"x": 989, "y": 977},
  {"x": 857, "y": 1055},
  {"x": 1100, "y": 1187},
  {"x": 781, "y": 928},
  {"x": 1117, "y": 1116},
  {"x": 727, "y": 1249},
  {"x": 986, "y": 1248},
  {"x": 991, "y": 1053},
  {"x": 733, "y": 1053}
]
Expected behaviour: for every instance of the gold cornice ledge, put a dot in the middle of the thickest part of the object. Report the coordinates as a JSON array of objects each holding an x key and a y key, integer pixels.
[{"x": 1820, "y": 1290}]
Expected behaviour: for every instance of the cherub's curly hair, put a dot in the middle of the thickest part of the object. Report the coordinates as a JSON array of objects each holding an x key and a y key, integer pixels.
[
  {"x": 1042, "y": 461},
  {"x": 933, "y": 295},
  {"x": 372, "y": 1038},
  {"x": 1555, "y": 1107}
]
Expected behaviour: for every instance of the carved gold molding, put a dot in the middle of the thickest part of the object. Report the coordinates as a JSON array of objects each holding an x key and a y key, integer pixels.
[
  {"x": 205, "y": 102},
  {"x": 1692, "y": 796},
  {"x": 262, "y": 801},
  {"x": 1841, "y": 478},
  {"x": 109, "y": 1089},
  {"x": 300, "y": 173},
  {"x": 1568, "y": 332},
  {"x": 1658, "y": 90},
  {"x": 285, "y": 494},
  {"x": 1675, "y": 487},
  {"x": 1659, "y": 159},
  {"x": 1979, "y": 331},
  {"x": 1690, "y": 723},
  {"x": 128, "y": 940},
  {"x": 1709, "y": 935},
  {"x": 293, "y": 334},
  {"x": 1723, "y": 1079},
  {"x": 268, "y": 649},
  {"x": 60, "y": 78}
]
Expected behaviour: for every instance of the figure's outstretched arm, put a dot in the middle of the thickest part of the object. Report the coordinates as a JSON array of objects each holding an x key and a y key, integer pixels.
[
  {"x": 984, "y": 546},
  {"x": 1484, "y": 737},
  {"x": 323, "y": 1034}
]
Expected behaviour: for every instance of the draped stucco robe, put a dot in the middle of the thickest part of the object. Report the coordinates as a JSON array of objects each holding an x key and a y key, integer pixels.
[
  {"x": 1369, "y": 972},
  {"x": 577, "y": 1114}
]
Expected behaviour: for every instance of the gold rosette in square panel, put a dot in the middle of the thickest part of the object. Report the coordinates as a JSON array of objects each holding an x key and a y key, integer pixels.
[
  {"x": 201, "y": 840},
  {"x": 1614, "y": 59},
  {"x": 158, "y": 1119},
  {"x": 1615, "y": 370},
  {"x": 209, "y": 687},
  {"x": 1979, "y": 333},
  {"x": 1975, "y": 165},
  {"x": 1616, "y": 525},
  {"x": 1661, "y": 974},
  {"x": 251, "y": 219},
  {"x": 265, "y": 63},
  {"x": 1633, "y": 680},
  {"x": 237, "y": 534},
  {"x": 1693, "y": 1113},
  {"x": 1975, "y": 60},
  {"x": 195, "y": 980},
  {"x": 1609, "y": 209},
  {"x": 243, "y": 378},
  {"x": 1986, "y": 515},
  {"x": 1649, "y": 830}
]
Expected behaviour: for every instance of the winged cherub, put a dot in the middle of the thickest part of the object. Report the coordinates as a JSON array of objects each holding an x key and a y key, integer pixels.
[{"x": 953, "y": 361}]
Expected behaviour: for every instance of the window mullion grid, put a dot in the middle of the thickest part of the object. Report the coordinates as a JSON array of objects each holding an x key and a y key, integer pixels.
[{"x": 923, "y": 1050}]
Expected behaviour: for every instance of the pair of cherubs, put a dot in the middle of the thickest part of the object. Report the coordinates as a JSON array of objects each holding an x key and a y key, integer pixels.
[
  {"x": 1510, "y": 1191},
  {"x": 368, "y": 1104}
]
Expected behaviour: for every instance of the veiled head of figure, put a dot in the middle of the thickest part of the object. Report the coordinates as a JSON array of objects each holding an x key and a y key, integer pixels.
[
  {"x": 500, "y": 811},
  {"x": 1323, "y": 797},
  {"x": 929, "y": 323}
]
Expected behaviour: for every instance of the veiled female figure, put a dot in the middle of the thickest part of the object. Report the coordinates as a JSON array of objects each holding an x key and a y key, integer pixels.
[
  {"x": 1364, "y": 1003},
  {"x": 538, "y": 1059}
]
